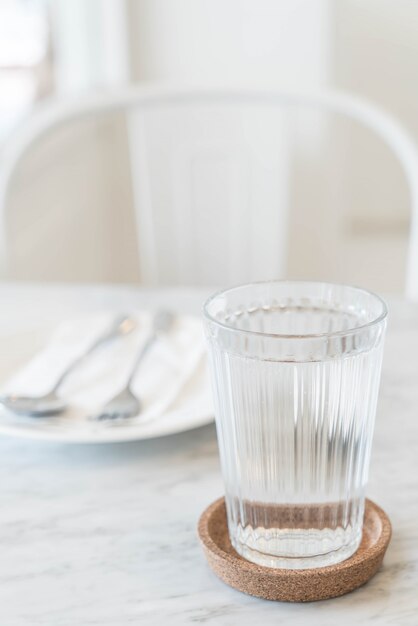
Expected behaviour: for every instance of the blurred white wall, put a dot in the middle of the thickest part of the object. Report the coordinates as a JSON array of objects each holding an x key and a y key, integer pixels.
[
  {"x": 90, "y": 43},
  {"x": 358, "y": 233},
  {"x": 362, "y": 46},
  {"x": 70, "y": 214},
  {"x": 247, "y": 42},
  {"x": 230, "y": 41},
  {"x": 375, "y": 54}
]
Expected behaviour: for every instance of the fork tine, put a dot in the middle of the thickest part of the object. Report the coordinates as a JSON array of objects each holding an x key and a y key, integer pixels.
[
  {"x": 102, "y": 416},
  {"x": 111, "y": 415}
]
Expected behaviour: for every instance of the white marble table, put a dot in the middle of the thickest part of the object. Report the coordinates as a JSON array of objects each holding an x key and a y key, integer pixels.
[{"x": 106, "y": 535}]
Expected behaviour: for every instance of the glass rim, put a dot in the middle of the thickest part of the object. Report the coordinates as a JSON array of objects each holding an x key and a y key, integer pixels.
[{"x": 255, "y": 333}]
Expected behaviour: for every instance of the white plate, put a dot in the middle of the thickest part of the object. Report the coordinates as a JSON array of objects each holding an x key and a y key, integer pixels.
[{"x": 73, "y": 427}]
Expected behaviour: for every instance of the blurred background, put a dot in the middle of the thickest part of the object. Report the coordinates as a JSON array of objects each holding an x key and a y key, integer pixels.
[{"x": 69, "y": 199}]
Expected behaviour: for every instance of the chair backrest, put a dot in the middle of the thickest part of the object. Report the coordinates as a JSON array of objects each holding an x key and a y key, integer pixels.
[{"x": 210, "y": 173}]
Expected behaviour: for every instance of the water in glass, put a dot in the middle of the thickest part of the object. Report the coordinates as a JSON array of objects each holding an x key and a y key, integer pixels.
[{"x": 295, "y": 370}]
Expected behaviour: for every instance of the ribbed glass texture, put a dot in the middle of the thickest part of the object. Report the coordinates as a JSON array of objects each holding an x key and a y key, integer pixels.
[{"x": 295, "y": 370}]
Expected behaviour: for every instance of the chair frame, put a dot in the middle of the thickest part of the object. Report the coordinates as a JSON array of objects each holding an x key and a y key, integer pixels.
[{"x": 51, "y": 116}]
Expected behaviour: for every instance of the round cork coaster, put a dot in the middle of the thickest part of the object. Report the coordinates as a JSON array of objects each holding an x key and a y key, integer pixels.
[{"x": 305, "y": 585}]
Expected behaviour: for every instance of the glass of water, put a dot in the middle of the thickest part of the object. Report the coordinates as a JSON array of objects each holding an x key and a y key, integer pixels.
[{"x": 295, "y": 371}]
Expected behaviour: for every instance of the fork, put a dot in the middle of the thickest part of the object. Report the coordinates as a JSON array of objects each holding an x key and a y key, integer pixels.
[{"x": 125, "y": 404}]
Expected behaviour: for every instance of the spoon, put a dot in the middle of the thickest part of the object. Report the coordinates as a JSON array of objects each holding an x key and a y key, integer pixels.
[{"x": 51, "y": 403}]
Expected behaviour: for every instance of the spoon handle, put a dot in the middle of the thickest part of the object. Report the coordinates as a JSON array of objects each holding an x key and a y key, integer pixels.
[{"x": 121, "y": 326}]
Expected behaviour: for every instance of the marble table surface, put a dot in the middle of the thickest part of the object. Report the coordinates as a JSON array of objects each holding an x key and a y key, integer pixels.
[{"x": 106, "y": 535}]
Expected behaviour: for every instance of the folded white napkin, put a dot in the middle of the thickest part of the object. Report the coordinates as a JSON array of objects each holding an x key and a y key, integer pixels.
[{"x": 162, "y": 381}]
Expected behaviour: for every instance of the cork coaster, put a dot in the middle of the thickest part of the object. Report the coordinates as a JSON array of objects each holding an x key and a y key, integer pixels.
[{"x": 294, "y": 585}]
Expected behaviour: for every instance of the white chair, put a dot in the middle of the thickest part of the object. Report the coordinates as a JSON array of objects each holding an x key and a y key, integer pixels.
[{"x": 209, "y": 171}]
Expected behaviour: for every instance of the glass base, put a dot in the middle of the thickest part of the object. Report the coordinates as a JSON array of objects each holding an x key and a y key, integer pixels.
[{"x": 279, "y": 552}]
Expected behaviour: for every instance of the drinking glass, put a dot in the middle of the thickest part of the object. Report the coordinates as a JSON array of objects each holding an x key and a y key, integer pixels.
[{"x": 295, "y": 372}]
